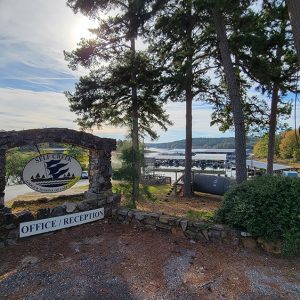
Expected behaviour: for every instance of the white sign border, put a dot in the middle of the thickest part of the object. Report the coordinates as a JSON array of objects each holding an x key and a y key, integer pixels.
[{"x": 56, "y": 223}]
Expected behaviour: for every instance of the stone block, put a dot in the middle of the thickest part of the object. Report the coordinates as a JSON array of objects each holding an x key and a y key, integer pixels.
[
  {"x": 205, "y": 234},
  {"x": 131, "y": 213},
  {"x": 149, "y": 221},
  {"x": 57, "y": 211},
  {"x": 10, "y": 226},
  {"x": 163, "y": 227},
  {"x": 43, "y": 213},
  {"x": 3, "y": 233},
  {"x": 101, "y": 203},
  {"x": 123, "y": 211},
  {"x": 214, "y": 234},
  {"x": 219, "y": 227},
  {"x": 2, "y": 245},
  {"x": 164, "y": 219},
  {"x": 92, "y": 202},
  {"x": 11, "y": 219},
  {"x": 140, "y": 215},
  {"x": 150, "y": 227},
  {"x": 70, "y": 207},
  {"x": 25, "y": 216},
  {"x": 83, "y": 205},
  {"x": 184, "y": 224},
  {"x": 13, "y": 234},
  {"x": 2, "y": 218},
  {"x": 191, "y": 234}
]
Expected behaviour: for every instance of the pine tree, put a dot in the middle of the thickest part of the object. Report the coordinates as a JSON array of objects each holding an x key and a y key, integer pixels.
[
  {"x": 267, "y": 57},
  {"x": 294, "y": 12},
  {"x": 180, "y": 41},
  {"x": 119, "y": 93}
]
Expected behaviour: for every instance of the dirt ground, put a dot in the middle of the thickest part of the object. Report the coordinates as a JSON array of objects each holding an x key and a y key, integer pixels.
[
  {"x": 104, "y": 260},
  {"x": 178, "y": 206}
]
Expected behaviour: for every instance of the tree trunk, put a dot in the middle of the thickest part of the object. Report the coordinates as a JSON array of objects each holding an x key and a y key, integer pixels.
[
  {"x": 272, "y": 128},
  {"x": 188, "y": 102},
  {"x": 135, "y": 128},
  {"x": 234, "y": 96},
  {"x": 294, "y": 12},
  {"x": 188, "y": 137}
]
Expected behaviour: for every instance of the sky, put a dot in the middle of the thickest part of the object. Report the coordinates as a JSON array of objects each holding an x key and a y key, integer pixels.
[{"x": 34, "y": 74}]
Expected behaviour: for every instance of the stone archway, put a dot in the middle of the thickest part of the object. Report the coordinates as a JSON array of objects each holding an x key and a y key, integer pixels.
[{"x": 100, "y": 170}]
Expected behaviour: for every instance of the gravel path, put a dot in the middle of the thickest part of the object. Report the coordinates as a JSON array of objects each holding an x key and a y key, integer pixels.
[{"x": 105, "y": 260}]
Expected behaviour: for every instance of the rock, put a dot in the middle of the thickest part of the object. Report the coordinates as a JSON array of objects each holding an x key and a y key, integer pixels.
[
  {"x": 2, "y": 245},
  {"x": 131, "y": 213},
  {"x": 249, "y": 243},
  {"x": 215, "y": 234},
  {"x": 101, "y": 203},
  {"x": 150, "y": 221},
  {"x": 245, "y": 234},
  {"x": 2, "y": 218},
  {"x": 25, "y": 216},
  {"x": 10, "y": 226},
  {"x": 205, "y": 234},
  {"x": 13, "y": 234},
  {"x": 163, "y": 227},
  {"x": 3, "y": 233},
  {"x": 219, "y": 227},
  {"x": 43, "y": 213},
  {"x": 11, "y": 242},
  {"x": 123, "y": 211},
  {"x": 83, "y": 205},
  {"x": 11, "y": 218},
  {"x": 5, "y": 210},
  {"x": 70, "y": 207},
  {"x": 164, "y": 219},
  {"x": 58, "y": 211},
  {"x": 139, "y": 216},
  {"x": 28, "y": 260},
  {"x": 184, "y": 224},
  {"x": 110, "y": 199},
  {"x": 117, "y": 198}
]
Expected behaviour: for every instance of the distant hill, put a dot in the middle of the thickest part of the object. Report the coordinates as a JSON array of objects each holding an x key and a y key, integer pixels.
[{"x": 205, "y": 143}]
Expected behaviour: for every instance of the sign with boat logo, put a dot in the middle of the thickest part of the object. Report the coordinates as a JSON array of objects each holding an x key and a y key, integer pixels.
[{"x": 52, "y": 173}]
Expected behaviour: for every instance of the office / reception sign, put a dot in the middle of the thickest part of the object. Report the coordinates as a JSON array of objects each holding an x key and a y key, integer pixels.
[{"x": 57, "y": 223}]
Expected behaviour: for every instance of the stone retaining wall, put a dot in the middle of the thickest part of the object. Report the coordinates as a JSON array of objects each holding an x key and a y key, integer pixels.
[
  {"x": 194, "y": 230},
  {"x": 9, "y": 222}
]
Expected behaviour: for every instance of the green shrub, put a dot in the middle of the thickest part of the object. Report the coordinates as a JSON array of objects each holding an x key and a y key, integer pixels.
[{"x": 267, "y": 207}]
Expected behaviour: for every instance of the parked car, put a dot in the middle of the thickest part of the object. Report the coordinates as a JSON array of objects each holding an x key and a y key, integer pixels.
[{"x": 85, "y": 175}]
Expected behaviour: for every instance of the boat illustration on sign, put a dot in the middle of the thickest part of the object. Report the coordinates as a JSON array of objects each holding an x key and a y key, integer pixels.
[{"x": 52, "y": 172}]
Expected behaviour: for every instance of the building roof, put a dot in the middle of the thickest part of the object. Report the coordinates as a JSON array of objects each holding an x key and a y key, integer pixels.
[
  {"x": 206, "y": 156},
  {"x": 262, "y": 165}
]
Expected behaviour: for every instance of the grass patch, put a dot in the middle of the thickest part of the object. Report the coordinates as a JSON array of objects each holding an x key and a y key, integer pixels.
[
  {"x": 200, "y": 215},
  {"x": 34, "y": 205}
]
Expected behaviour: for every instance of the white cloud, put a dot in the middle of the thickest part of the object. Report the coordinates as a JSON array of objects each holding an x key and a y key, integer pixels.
[{"x": 44, "y": 27}]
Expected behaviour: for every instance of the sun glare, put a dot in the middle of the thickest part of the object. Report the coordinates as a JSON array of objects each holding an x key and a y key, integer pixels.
[{"x": 81, "y": 29}]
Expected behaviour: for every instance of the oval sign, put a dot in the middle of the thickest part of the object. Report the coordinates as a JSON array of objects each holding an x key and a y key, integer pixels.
[{"x": 52, "y": 172}]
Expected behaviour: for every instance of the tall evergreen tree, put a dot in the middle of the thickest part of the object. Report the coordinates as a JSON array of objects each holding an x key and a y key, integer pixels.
[
  {"x": 266, "y": 55},
  {"x": 130, "y": 102},
  {"x": 294, "y": 12},
  {"x": 179, "y": 38},
  {"x": 222, "y": 11}
]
